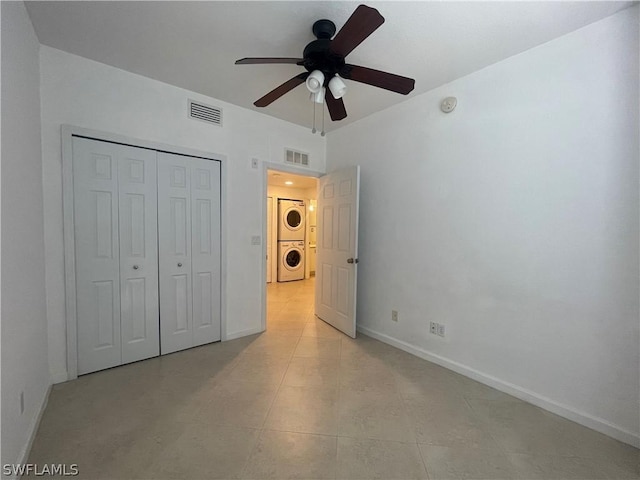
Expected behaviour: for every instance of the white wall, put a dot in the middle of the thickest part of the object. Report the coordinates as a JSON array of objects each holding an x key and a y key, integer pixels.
[
  {"x": 513, "y": 221},
  {"x": 25, "y": 365},
  {"x": 88, "y": 94}
]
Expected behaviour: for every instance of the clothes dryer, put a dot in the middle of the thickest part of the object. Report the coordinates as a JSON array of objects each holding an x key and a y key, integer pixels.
[
  {"x": 290, "y": 261},
  {"x": 291, "y": 220}
]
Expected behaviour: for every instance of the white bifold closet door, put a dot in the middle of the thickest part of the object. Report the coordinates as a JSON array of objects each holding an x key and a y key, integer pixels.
[
  {"x": 189, "y": 251},
  {"x": 115, "y": 220}
]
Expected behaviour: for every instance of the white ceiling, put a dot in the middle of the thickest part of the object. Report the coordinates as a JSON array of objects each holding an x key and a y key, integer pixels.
[
  {"x": 194, "y": 44},
  {"x": 278, "y": 179}
]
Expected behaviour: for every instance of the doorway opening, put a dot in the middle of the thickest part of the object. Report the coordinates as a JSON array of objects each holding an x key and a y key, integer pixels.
[
  {"x": 334, "y": 258},
  {"x": 291, "y": 250}
]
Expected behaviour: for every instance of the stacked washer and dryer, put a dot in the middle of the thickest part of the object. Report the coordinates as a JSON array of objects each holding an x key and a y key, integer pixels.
[{"x": 291, "y": 230}]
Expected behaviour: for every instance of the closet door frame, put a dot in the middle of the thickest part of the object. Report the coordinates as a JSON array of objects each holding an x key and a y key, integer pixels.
[{"x": 67, "y": 134}]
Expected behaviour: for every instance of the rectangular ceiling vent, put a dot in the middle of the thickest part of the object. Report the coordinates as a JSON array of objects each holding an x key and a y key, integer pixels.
[
  {"x": 205, "y": 113},
  {"x": 296, "y": 158}
]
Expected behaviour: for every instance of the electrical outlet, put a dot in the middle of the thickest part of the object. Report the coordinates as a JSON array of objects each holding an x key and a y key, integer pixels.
[
  {"x": 21, "y": 403},
  {"x": 433, "y": 328},
  {"x": 440, "y": 330},
  {"x": 394, "y": 315},
  {"x": 255, "y": 240}
]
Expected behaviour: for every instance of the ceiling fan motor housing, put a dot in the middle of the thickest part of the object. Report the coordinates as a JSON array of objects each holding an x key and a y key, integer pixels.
[
  {"x": 318, "y": 56},
  {"x": 324, "y": 29}
]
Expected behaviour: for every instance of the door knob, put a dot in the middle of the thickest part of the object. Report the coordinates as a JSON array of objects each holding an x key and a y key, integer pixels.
[
  {"x": 352, "y": 260},
  {"x": 179, "y": 264},
  {"x": 135, "y": 267}
]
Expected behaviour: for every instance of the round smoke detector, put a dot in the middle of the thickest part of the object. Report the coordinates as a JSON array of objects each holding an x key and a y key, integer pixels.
[{"x": 448, "y": 105}]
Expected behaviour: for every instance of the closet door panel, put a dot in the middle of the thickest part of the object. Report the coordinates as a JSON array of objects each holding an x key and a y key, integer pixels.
[
  {"x": 174, "y": 248},
  {"x": 140, "y": 322},
  {"x": 95, "y": 184},
  {"x": 205, "y": 215}
]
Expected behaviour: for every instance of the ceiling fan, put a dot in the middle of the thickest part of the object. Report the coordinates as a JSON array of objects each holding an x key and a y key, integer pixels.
[{"x": 324, "y": 60}]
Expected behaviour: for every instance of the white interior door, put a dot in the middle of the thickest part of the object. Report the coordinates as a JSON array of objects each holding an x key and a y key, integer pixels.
[
  {"x": 116, "y": 253},
  {"x": 95, "y": 185},
  {"x": 138, "y": 217},
  {"x": 174, "y": 248},
  {"x": 337, "y": 249},
  {"x": 205, "y": 242},
  {"x": 148, "y": 252},
  {"x": 269, "y": 240}
]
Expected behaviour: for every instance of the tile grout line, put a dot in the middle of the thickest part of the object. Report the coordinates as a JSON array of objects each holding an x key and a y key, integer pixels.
[
  {"x": 415, "y": 433},
  {"x": 283, "y": 377},
  {"x": 310, "y": 320},
  {"x": 261, "y": 430},
  {"x": 253, "y": 448},
  {"x": 424, "y": 462},
  {"x": 338, "y": 403},
  {"x": 486, "y": 428}
]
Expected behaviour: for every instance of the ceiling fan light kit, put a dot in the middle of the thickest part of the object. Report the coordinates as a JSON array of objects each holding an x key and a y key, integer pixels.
[
  {"x": 315, "y": 81},
  {"x": 324, "y": 60},
  {"x": 318, "y": 97},
  {"x": 337, "y": 87}
]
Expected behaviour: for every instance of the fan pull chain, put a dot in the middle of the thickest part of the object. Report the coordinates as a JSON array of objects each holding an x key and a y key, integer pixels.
[
  {"x": 322, "y": 133},
  {"x": 313, "y": 130}
]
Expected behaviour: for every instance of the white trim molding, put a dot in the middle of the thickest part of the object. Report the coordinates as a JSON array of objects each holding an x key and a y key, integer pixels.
[
  {"x": 281, "y": 167},
  {"x": 570, "y": 413},
  {"x": 33, "y": 430},
  {"x": 244, "y": 333}
]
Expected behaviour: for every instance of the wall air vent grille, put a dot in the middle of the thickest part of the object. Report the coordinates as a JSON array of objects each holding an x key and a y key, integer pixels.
[
  {"x": 205, "y": 113},
  {"x": 296, "y": 158}
]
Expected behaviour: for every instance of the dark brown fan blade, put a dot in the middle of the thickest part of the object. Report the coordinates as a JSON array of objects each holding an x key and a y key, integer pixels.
[
  {"x": 335, "y": 106},
  {"x": 256, "y": 61},
  {"x": 362, "y": 23},
  {"x": 276, "y": 93},
  {"x": 377, "y": 78}
]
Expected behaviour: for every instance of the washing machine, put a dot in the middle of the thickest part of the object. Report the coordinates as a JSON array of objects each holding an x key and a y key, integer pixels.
[
  {"x": 290, "y": 261},
  {"x": 291, "y": 219}
]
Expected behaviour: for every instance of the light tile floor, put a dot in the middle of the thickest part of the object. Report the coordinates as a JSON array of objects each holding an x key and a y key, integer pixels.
[{"x": 304, "y": 401}]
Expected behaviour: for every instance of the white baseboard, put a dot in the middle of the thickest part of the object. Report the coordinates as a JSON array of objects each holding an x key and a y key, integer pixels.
[
  {"x": 59, "y": 377},
  {"x": 244, "y": 333},
  {"x": 583, "y": 418},
  {"x": 33, "y": 429}
]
